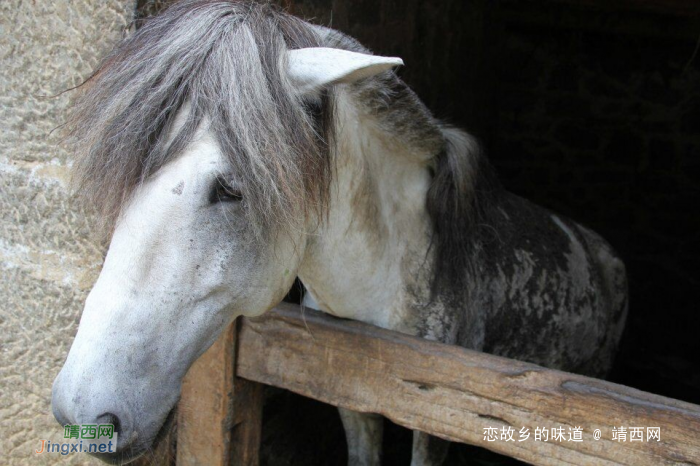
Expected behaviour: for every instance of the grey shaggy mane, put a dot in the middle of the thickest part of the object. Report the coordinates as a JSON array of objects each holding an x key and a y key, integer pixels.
[{"x": 226, "y": 60}]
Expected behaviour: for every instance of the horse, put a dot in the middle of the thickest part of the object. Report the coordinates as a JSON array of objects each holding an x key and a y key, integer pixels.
[{"x": 229, "y": 147}]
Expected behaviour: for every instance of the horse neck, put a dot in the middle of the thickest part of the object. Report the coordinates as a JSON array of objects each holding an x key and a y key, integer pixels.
[{"x": 369, "y": 260}]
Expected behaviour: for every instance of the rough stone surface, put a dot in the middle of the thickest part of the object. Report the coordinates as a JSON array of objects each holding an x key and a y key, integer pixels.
[{"x": 47, "y": 260}]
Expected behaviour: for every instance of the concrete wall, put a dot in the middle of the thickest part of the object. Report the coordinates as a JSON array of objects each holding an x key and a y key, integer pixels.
[{"x": 47, "y": 262}]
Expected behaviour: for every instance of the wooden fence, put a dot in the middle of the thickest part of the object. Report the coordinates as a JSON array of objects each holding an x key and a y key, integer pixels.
[{"x": 451, "y": 392}]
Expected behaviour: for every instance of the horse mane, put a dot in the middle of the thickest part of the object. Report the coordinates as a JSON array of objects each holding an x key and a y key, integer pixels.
[
  {"x": 224, "y": 60},
  {"x": 460, "y": 204},
  {"x": 464, "y": 185}
]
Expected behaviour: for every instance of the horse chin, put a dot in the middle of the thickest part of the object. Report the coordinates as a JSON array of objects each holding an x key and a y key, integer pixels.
[{"x": 133, "y": 451}]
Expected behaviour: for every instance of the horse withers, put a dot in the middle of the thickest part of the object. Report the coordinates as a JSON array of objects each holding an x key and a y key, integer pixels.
[{"x": 229, "y": 147}]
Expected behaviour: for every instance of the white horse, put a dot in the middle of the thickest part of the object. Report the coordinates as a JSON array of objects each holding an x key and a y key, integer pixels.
[{"x": 230, "y": 148}]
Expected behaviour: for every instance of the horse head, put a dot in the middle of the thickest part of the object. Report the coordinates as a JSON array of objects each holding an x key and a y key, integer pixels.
[{"x": 205, "y": 151}]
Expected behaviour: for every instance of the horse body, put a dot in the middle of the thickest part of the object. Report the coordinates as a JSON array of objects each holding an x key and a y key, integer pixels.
[
  {"x": 551, "y": 292},
  {"x": 304, "y": 156},
  {"x": 539, "y": 287}
]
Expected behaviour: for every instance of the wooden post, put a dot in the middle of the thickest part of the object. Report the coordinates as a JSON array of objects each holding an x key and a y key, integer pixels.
[
  {"x": 247, "y": 422},
  {"x": 219, "y": 415}
]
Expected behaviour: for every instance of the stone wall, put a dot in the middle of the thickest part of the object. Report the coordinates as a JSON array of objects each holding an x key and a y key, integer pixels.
[{"x": 47, "y": 262}]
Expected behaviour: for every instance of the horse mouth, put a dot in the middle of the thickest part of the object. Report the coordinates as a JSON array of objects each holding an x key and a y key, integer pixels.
[{"x": 134, "y": 450}]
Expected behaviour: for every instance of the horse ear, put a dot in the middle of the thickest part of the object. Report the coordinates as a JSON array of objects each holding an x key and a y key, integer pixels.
[{"x": 310, "y": 69}]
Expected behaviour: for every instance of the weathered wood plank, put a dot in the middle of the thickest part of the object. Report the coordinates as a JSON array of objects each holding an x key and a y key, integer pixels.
[
  {"x": 204, "y": 411},
  {"x": 247, "y": 423},
  {"x": 456, "y": 393},
  {"x": 218, "y": 410},
  {"x": 246, "y": 427}
]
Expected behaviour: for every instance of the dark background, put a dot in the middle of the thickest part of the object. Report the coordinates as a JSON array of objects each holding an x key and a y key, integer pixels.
[{"x": 590, "y": 110}]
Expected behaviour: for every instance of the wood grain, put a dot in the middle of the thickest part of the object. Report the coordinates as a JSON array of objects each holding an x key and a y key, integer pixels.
[
  {"x": 219, "y": 415},
  {"x": 246, "y": 429},
  {"x": 456, "y": 393}
]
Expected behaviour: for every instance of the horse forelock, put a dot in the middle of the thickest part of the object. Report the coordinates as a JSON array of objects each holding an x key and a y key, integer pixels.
[{"x": 225, "y": 60}]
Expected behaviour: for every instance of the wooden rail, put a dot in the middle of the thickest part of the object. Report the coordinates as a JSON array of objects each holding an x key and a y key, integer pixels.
[{"x": 451, "y": 392}]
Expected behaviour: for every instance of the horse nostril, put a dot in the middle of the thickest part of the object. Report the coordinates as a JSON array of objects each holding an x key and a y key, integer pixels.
[{"x": 109, "y": 418}]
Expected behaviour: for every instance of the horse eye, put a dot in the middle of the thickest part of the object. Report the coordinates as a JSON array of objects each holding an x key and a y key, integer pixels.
[{"x": 223, "y": 192}]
